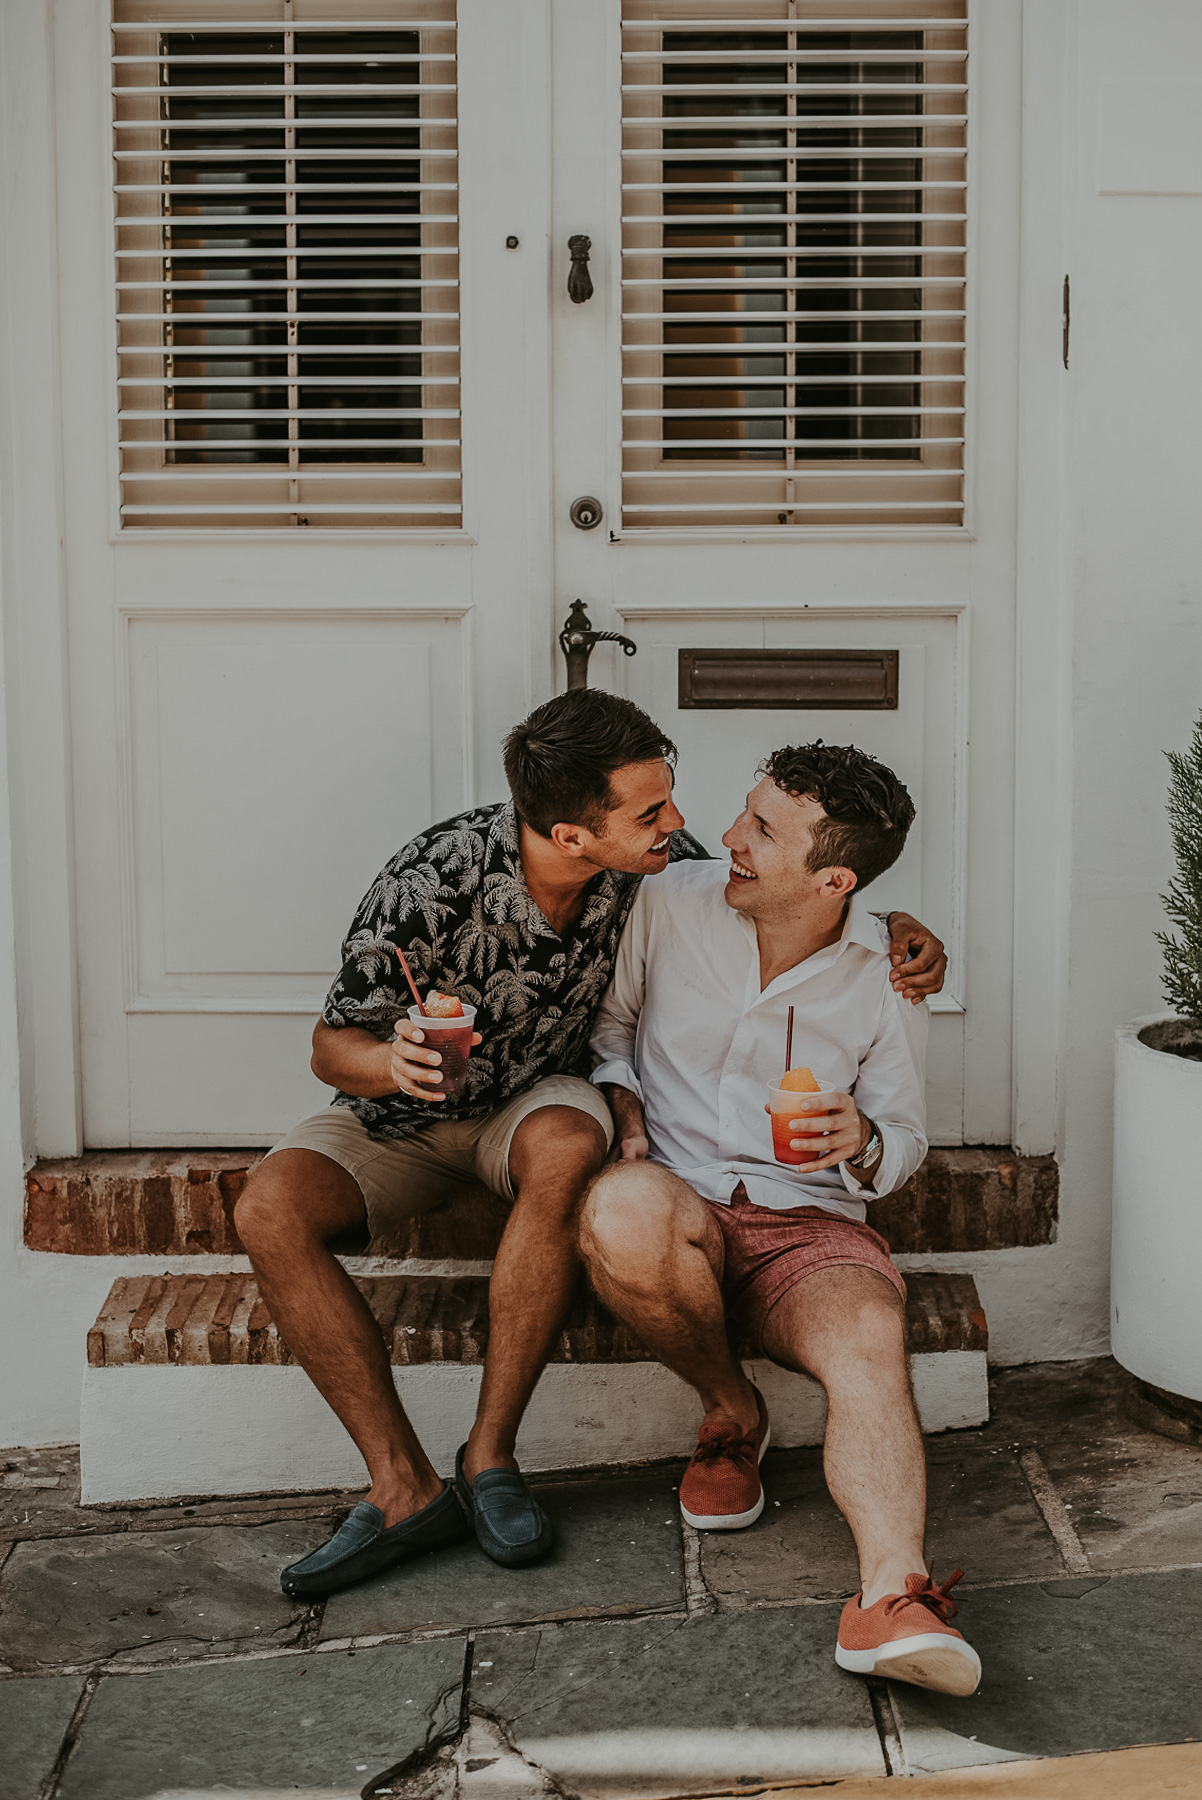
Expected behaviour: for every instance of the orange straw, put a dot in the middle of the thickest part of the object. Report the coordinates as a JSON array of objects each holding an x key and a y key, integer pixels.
[
  {"x": 788, "y": 1037},
  {"x": 413, "y": 988}
]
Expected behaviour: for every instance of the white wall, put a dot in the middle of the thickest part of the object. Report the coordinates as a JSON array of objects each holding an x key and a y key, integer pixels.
[
  {"x": 1135, "y": 463},
  {"x": 41, "y": 1355}
]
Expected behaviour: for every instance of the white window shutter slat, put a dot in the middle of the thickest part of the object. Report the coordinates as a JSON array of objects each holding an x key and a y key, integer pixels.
[
  {"x": 793, "y": 263},
  {"x": 287, "y": 263}
]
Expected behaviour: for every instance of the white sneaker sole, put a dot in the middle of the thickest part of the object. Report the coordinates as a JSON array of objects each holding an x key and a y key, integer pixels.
[
  {"x": 730, "y": 1521},
  {"x": 931, "y": 1660}
]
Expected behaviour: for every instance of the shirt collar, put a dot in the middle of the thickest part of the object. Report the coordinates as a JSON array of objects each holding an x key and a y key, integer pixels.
[
  {"x": 859, "y": 927},
  {"x": 505, "y": 896},
  {"x": 505, "y": 889},
  {"x": 504, "y": 852},
  {"x": 862, "y": 926}
]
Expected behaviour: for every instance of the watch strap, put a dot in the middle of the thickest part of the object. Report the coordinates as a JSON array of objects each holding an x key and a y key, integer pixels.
[{"x": 873, "y": 1150}]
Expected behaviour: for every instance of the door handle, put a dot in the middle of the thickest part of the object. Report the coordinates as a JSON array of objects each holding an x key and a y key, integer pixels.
[
  {"x": 576, "y": 640},
  {"x": 580, "y": 282}
]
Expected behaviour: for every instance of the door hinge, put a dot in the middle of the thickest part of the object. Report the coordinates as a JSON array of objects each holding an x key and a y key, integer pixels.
[{"x": 1065, "y": 322}]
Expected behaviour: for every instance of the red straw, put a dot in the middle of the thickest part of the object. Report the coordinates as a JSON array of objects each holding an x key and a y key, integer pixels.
[
  {"x": 421, "y": 1009},
  {"x": 788, "y": 1038}
]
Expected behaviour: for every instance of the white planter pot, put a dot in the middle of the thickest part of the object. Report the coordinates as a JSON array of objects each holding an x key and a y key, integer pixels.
[{"x": 1156, "y": 1247}]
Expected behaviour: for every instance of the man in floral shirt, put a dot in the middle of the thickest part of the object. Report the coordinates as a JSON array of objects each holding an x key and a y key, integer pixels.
[
  {"x": 457, "y": 902},
  {"x": 517, "y": 910}
]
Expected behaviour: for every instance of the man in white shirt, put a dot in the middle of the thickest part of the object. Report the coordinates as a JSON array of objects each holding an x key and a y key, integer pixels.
[{"x": 698, "y": 1224}]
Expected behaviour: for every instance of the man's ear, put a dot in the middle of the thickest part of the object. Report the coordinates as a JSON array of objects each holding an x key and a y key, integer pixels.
[
  {"x": 839, "y": 883},
  {"x": 569, "y": 839}
]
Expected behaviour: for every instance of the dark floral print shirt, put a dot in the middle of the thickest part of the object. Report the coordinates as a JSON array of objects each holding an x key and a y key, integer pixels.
[{"x": 455, "y": 901}]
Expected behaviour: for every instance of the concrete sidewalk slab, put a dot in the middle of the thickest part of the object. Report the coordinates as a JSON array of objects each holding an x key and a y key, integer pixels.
[
  {"x": 982, "y": 1516},
  {"x": 799, "y": 1549},
  {"x": 308, "y": 1722},
  {"x": 154, "y": 1593},
  {"x": 34, "y": 1715},
  {"x": 657, "y": 1707},
  {"x": 617, "y": 1549},
  {"x": 1135, "y": 1498},
  {"x": 1069, "y": 1666}
]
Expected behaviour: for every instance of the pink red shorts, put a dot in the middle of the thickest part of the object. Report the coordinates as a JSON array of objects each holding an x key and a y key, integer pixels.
[{"x": 766, "y": 1252}]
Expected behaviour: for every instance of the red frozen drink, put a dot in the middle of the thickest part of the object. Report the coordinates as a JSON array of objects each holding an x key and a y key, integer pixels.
[{"x": 451, "y": 1036}]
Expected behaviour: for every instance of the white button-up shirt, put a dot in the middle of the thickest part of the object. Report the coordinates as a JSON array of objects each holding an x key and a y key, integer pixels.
[{"x": 687, "y": 1028}]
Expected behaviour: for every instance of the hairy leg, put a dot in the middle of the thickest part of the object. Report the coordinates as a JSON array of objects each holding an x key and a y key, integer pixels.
[
  {"x": 652, "y": 1249},
  {"x": 294, "y": 1203},
  {"x": 554, "y": 1154},
  {"x": 847, "y": 1327}
]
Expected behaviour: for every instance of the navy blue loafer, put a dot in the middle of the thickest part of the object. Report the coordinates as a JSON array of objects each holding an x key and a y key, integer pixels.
[
  {"x": 361, "y": 1547},
  {"x": 510, "y": 1525}
]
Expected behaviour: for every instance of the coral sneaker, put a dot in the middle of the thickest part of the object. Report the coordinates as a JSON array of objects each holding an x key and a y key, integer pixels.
[
  {"x": 908, "y": 1637},
  {"x": 721, "y": 1489}
]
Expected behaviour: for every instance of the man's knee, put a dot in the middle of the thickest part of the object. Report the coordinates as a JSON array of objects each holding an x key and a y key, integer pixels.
[
  {"x": 869, "y": 1339},
  {"x": 555, "y": 1152},
  {"x": 293, "y": 1198},
  {"x": 878, "y": 1328},
  {"x": 627, "y": 1210}
]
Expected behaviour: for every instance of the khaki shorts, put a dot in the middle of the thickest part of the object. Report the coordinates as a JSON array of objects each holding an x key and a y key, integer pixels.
[{"x": 400, "y": 1177}]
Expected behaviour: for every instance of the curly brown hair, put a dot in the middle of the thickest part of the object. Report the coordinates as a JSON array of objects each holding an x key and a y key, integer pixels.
[{"x": 868, "y": 811}]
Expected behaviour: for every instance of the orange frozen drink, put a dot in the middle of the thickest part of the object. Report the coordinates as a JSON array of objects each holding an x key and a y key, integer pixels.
[{"x": 783, "y": 1100}]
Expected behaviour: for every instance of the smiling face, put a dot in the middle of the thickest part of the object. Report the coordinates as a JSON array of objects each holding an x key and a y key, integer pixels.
[
  {"x": 770, "y": 843},
  {"x": 635, "y": 833}
]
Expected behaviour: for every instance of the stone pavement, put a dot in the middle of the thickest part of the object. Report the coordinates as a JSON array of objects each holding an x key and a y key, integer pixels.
[{"x": 149, "y": 1652}]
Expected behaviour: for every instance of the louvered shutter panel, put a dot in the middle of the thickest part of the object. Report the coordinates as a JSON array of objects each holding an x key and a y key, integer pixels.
[
  {"x": 287, "y": 293},
  {"x": 793, "y": 263}
]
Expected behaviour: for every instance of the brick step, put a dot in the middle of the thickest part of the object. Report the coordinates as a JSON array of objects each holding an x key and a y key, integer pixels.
[
  {"x": 220, "y": 1320},
  {"x": 190, "y": 1391},
  {"x": 180, "y": 1202}
]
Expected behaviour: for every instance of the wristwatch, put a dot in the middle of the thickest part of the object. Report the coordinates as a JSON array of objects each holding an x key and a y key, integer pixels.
[{"x": 870, "y": 1155}]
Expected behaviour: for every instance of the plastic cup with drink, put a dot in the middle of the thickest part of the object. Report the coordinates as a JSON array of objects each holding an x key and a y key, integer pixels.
[
  {"x": 451, "y": 1035},
  {"x": 784, "y": 1098}
]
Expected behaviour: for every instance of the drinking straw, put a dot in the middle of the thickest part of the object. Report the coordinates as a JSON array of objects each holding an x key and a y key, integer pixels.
[
  {"x": 788, "y": 1038},
  {"x": 421, "y": 1009}
]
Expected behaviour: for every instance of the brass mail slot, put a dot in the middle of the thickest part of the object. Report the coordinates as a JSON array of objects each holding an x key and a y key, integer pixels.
[{"x": 820, "y": 680}]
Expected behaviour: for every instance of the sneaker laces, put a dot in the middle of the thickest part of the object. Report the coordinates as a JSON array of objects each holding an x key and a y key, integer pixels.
[
  {"x": 721, "y": 1443},
  {"x": 921, "y": 1591}
]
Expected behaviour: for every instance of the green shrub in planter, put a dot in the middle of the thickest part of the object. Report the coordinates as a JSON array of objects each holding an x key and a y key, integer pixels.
[{"x": 1183, "y": 904}]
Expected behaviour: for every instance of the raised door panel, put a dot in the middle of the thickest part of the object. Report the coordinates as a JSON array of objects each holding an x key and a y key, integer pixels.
[{"x": 273, "y": 763}]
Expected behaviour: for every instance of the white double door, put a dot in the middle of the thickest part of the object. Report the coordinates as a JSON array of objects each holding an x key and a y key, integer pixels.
[{"x": 261, "y": 719}]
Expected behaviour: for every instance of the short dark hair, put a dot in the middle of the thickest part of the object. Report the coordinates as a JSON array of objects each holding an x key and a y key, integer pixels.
[
  {"x": 558, "y": 761},
  {"x": 868, "y": 811}
]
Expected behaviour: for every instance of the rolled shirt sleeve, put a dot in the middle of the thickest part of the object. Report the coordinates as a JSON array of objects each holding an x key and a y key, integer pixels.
[{"x": 890, "y": 1089}]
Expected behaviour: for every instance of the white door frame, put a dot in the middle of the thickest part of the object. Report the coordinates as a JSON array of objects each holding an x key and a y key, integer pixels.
[{"x": 1043, "y": 710}]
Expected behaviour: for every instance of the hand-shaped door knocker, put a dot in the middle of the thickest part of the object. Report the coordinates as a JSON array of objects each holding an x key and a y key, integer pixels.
[{"x": 580, "y": 282}]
